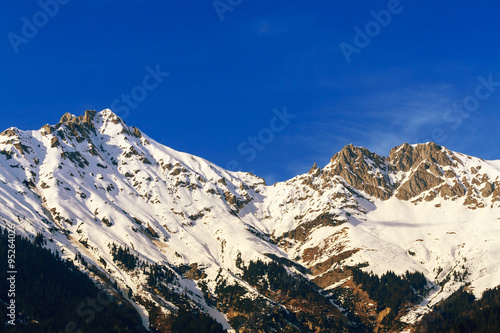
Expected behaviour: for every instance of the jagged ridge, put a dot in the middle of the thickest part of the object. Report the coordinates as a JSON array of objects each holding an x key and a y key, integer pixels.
[{"x": 91, "y": 181}]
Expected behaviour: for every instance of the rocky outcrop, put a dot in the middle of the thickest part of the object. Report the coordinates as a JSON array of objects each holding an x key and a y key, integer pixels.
[
  {"x": 496, "y": 192},
  {"x": 136, "y": 132},
  {"x": 487, "y": 190},
  {"x": 363, "y": 170},
  {"x": 10, "y": 132},
  {"x": 195, "y": 273},
  {"x": 448, "y": 192},
  {"x": 89, "y": 116},
  {"x": 54, "y": 142},
  {"x": 411, "y": 172},
  {"x": 420, "y": 181},
  {"x": 315, "y": 171},
  {"x": 305, "y": 229},
  {"x": 406, "y": 157},
  {"x": 79, "y": 128}
]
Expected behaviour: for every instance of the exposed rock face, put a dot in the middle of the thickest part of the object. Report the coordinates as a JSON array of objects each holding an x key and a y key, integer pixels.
[
  {"x": 81, "y": 128},
  {"x": 89, "y": 116},
  {"x": 405, "y": 157},
  {"x": 46, "y": 129},
  {"x": 67, "y": 118},
  {"x": 10, "y": 132},
  {"x": 496, "y": 192},
  {"x": 54, "y": 142},
  {"x": 195, "y": 273},
  {"x": 419, "y": 181},
  {"x": 188, "y": 214},
  {"x": 315, "y": 171},
  {"x": 304, "y": 230},
  {"x": 487, "y": 190},
  {"x": 411, "y": 172},
  {"x": 424, "y": 162},
  {"x": 456, "y": 190},
  {"x": 369, "y": 172},
  {"x": 362, "y": 169},
  {"x": 136, "y": 132}
]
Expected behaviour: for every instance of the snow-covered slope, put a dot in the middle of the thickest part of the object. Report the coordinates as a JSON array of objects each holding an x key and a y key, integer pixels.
[
  {"x": 424, "y": 208},
  {"x": 91, "y": 181}
]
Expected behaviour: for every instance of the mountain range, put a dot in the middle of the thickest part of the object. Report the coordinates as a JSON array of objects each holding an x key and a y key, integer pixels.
[{"x": 166, "y": 231}]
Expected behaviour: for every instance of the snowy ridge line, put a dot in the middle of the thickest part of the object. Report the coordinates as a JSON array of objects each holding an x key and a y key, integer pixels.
[{"x": 92, "y": 180}]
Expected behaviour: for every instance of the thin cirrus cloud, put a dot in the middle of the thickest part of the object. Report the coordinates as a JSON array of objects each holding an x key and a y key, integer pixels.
[
  {"x": 378, "y": 122},
  {"x": 406, "y": 115}
]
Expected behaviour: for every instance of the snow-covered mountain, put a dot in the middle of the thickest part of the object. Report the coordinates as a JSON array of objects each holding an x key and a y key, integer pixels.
[{"x": 91, "y": 182}]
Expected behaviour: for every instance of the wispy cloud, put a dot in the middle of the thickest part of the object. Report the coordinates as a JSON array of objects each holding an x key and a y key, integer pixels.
[
  {"x": 379, "y": 121},
  {"x": 405, "y": 115}
]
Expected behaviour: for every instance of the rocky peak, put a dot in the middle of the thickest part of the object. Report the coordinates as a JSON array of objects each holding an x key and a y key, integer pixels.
[
  {"x": 315, "y": 171},
  {"x": 431, "y": 171},
  {"x": 107, "y": 115},
  {"x": 10, "y": 132},
  {"x": 354, "y": 157},
  {"x": 89, "y": 116},
  {"x": 86, "y": 119},
  {"x": 84, "y": 126},
  {"x": 112, "y": 124},
  {"x": 405, "y": 157},
  {"x": 351, "y": 153},
  {"x": 67, "y": 118},
  {"x": 363, "y": 170}
]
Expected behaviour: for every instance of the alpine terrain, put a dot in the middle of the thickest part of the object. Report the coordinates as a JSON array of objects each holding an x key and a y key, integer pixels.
[{"x": 404, "y": 243}]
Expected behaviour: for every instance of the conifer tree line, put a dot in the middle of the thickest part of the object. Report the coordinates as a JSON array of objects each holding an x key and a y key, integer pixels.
[
  {"x": 461, "y": 312},
  {"x": 391, "y": 290},
  {"x": 274, "y": 276},
  {"x": 122, "y": 255},
  {"x": 50, "y": 290}
]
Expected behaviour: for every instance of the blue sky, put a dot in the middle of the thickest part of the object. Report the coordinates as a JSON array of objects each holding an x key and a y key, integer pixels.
[{"x": 260, "y": 86}]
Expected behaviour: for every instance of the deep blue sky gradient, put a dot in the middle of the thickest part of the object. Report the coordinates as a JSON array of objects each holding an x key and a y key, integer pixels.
[{"x": 226, "y": 77}]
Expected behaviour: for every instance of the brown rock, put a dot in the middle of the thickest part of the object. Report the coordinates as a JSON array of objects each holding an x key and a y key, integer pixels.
[
  {"x": 136, "y": 132},
  {"x": 305, "y": 229},
  {"x": 473, "y": 202},
  {"x": 194, "y": 273},
  {"x": 350, "y": 164},
  {"x": 420, "y": 181},
  {"x": 496, "y": 192},
  {"x": 67, "y": 118},
  {"x": 329, "y": 278},
  {"x": 487, "y": 190},
  {"x": 450, "y": 174},
  {"x": 315, "y": 171},
  {"x": 10, "y": 132},
  {"x": 325, "y": 265},
  {"x": 46, "y": 129},
  {"x": 404, "y": 157},
  {"x": 456, "y": 190},
  {"x": 89, "y": 116},
  {"x": 55, "y": 142},
  {"x": 435, "y": 170}
]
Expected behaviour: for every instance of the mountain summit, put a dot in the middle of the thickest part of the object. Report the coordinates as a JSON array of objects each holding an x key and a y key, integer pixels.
[{"x": 170, "y": 231}]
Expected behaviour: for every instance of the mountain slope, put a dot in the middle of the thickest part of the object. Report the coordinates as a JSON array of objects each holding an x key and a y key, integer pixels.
[
  {"x": 174, "y": 230},
  {"x": 424, "y": 208}
]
